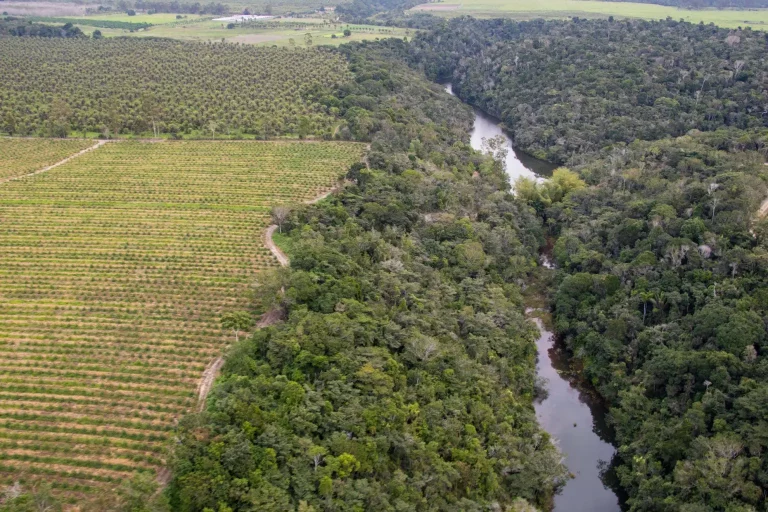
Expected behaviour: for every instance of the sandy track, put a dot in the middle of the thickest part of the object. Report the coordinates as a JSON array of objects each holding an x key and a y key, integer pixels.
[
  {"x": 62, "y": 162},
  {"x": 763, "y": 209},
  {"x": 271, "y": 317}
]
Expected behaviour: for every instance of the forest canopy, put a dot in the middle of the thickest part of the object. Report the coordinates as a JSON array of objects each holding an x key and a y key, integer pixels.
[
  {"x": 566, "y": 88},
  {"x": 402, "y": 377}
]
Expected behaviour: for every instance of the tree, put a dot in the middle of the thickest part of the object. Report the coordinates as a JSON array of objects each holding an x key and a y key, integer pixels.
[
  {"x": 237, "y": 321},
  {"x": 305, "y": 127},
  {"x": 347, "y": 32},
  {"x": 97, "y": 34},
  {"x": 58, "y": 118},
  {"x": 308, "y": 39},
  {"x": 152, "y": 110},
  {"x": 212, "y": 126},
  {"x": 280, "y": 214}
]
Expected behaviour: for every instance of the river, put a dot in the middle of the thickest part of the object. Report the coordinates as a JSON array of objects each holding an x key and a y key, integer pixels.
[
  {"x": 518, "y": 164},
  {"x": 570, "y": 412}
]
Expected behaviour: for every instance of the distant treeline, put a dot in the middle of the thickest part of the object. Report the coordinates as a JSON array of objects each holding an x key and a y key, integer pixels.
[
  {"x": 358, "y": 10},
  {"x": 181, "y": 7},
  {"x": 10, "y": 26},
  {"x": 126, "y": 25}
]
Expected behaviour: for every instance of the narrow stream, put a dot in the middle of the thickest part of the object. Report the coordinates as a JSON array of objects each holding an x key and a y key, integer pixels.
[{"x": 569, "y": 412}]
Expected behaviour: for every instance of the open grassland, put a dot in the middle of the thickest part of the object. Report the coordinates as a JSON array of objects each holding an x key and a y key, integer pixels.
[
  {"x": 529, "y": 9},
  {"x": 115, "y": 268},
  {"x": 283, "y": 32},
  {"x": 23, "y": 156}
]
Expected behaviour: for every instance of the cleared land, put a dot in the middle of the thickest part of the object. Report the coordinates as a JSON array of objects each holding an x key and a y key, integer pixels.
[
  {"x": 529, "y": 9},
  {"x": 115, "y": 269},
  {"x": 282, "y": 32},
  {"x": 23, "y": 156}
]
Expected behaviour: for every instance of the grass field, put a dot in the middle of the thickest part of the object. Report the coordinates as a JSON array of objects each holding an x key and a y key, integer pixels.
[
  {"x": 115, "y": 268},
  {"x": 279, "y": 33},
  {"x": 23, "y": 156},
  {"x": 529, "y": 9}
]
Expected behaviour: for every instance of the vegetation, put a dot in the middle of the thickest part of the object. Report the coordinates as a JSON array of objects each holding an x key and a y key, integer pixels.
[
  {"x": 660, "y": 289},
  {"x": 117, "y": 268},
  {"x": 662, "y": 297},
  {"x": 126, "y": 25},
  {"x": 163, "y": 87},
  {"x": 24, "y": 156},
  {"x": 566, "y": 88},
  {"x": 402, "y": 378},
  {"x": 10, "y": 26}
]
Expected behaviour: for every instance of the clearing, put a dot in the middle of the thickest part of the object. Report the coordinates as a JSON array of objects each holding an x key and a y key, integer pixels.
[{"x": 115, "y": 268}]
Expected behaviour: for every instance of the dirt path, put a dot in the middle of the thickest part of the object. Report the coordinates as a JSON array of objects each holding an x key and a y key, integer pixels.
[
  {"x": 273, "y": 248},
  {"x": 763, "y": 209},
  {"x": 62, "y": 162},
  {"x": 271, "y": 317},
  {"x": 270, "y": 243}
]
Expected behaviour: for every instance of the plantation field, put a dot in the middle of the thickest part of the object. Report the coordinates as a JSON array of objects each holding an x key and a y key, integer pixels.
[
  {"x": 115, "y": 269},
  {"x": 55, "y": 87},
  {"x": 529, "y": 9},
  {"x": 23, "y": 156}
]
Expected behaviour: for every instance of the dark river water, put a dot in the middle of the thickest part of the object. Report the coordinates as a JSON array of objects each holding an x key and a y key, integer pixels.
[{"x": 570, "y": 412}]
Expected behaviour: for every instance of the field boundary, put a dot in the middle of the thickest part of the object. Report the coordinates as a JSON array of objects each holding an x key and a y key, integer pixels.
[
  {"x": 61, "y": 162},
  {"x": 271, "y": 317}
]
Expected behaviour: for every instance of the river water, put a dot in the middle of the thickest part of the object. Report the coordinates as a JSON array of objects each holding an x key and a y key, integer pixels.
[
  {"x": 518, "y": 164},
  {"x": 570, "y": 412}
]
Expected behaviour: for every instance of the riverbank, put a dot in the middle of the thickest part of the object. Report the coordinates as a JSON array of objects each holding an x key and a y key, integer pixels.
[{"x": 566, "y": 408}]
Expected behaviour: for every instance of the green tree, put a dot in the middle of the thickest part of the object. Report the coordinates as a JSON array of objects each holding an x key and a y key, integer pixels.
[{"x": 237, "y": 321}]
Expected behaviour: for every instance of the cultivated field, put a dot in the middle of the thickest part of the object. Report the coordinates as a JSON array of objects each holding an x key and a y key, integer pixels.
[
  {"x": 133, "y": 85},
  {"x": 115, "y": 269},
  {"x": 281, "y": 32},
  {"x": 23, "y": 156},
  {"x": 530, "y": 9}
]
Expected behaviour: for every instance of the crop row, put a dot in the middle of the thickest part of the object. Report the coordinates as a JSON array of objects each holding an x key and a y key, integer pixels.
[
  {"x": 23, "y": 156},
  {"x": 115, "y": 269}
]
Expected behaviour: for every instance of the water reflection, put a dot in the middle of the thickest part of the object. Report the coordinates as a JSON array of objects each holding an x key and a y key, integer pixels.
[
  {"x": 518, "y": 163},
  {"x": 576, "y": 418},
  {"x": 570, "y": 412}
]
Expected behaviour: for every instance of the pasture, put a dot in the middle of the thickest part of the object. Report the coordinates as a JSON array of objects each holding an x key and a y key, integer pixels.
[
  {"x": 281, "y": 32},
  {"x": 115, "y": 269},
  {"x": 531, "y": 9}
]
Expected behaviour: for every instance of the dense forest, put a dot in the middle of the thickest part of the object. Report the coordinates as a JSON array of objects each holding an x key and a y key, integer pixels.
[
  {"x": 402, "y": 377},
  {"x": 160, "y": 86},
  {"x": 662, "y": 266},
  {"x": 662, "y": 297},
  {"x": 567, "y": 88}
]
